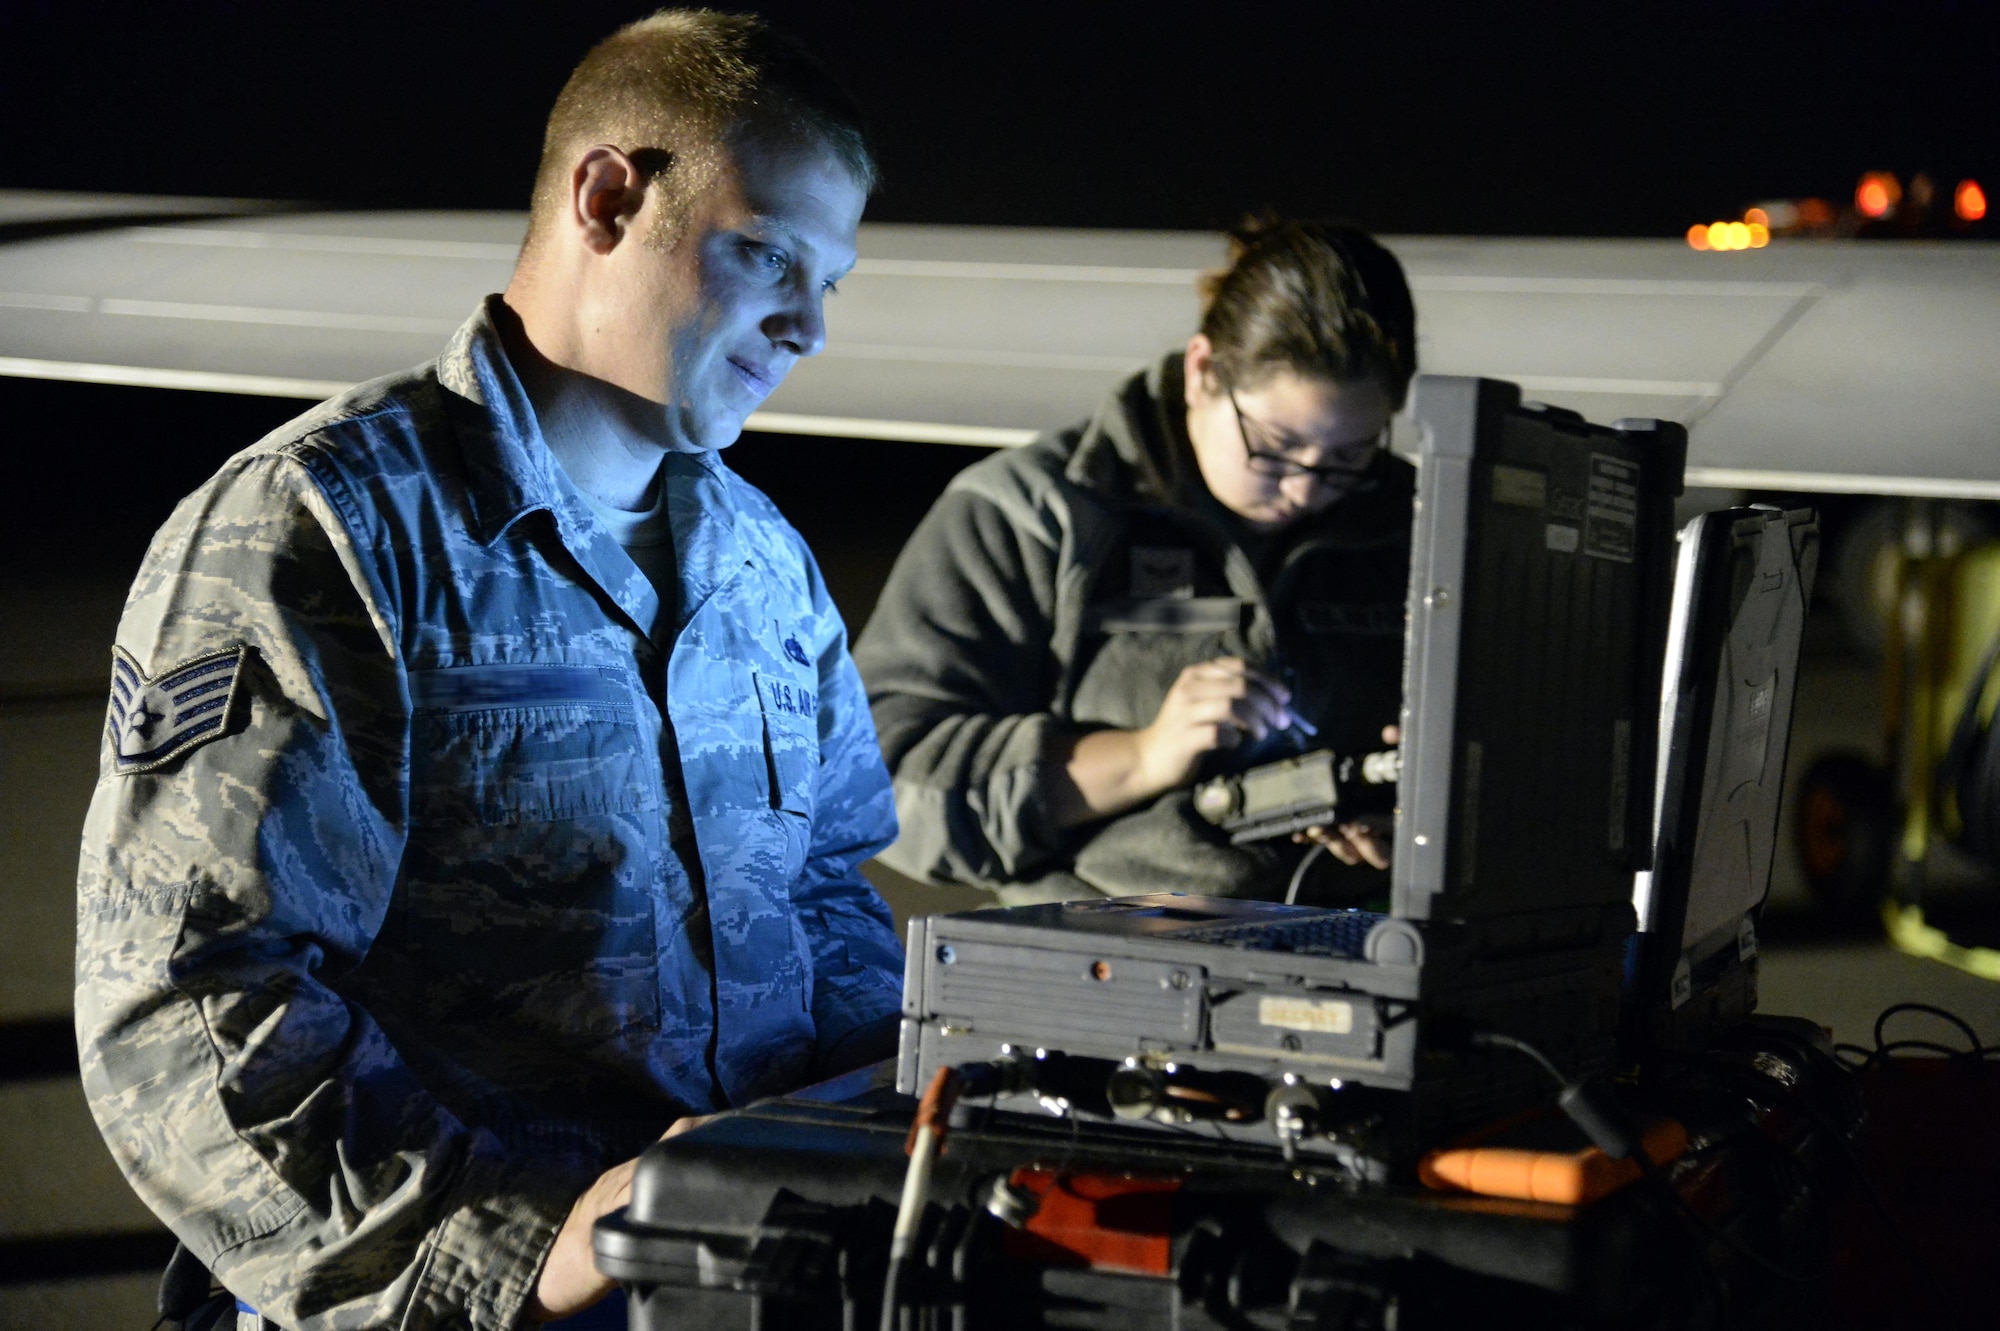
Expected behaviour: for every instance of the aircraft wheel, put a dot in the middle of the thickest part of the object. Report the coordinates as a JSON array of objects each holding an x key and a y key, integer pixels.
[{"x": 1846, "y": 830}]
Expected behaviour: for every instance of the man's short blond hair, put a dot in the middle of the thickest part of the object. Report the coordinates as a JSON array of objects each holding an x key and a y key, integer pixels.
[{"x": 675, "y": 90}]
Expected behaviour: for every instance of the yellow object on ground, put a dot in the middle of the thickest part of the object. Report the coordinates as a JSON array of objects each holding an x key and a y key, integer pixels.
[{"x": 1909, "y": 934}]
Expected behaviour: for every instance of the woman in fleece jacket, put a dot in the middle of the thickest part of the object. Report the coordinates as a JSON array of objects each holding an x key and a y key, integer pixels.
[{"x": 1206, "y": 575}]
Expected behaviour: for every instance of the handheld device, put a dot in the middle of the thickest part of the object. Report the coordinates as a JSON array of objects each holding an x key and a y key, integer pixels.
[{"x": 1317, "y": 789}]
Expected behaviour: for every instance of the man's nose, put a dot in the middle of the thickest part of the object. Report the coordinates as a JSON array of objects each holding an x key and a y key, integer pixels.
[{"x": 799, "y": 327}]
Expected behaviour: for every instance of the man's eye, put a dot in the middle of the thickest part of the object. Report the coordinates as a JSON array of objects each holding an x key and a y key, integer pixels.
[{"x": 767, "y": 260}]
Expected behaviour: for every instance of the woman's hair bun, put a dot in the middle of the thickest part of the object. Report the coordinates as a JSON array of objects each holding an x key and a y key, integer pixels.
[
  {"x": 1252, "y": 231},
  {"x": 1245, "y": 236}
]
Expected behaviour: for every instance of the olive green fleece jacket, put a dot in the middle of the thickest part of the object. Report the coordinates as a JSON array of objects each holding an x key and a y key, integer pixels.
[{"x": 1062, "y": 587}]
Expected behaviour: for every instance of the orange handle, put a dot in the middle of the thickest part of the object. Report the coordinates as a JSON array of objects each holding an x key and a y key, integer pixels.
[{"x": 1546, "y": 1176}]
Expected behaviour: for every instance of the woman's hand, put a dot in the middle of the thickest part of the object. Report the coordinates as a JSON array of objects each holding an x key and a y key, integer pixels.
[
  {"x": 1367, "y": 840},
  {"x": 1213, "y": 705},
  {"x": 1363, "y": 841}
]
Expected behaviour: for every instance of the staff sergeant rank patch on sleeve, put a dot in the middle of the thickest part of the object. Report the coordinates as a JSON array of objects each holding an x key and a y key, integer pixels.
[{"x": 154, "y": 721}]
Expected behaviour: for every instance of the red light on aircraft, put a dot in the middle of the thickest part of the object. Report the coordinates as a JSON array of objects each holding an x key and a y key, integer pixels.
[
  {"x": 1878, "y": 194},
  {"x": 1969, "y": 201},
  {"x": 1698, "y": 236}
]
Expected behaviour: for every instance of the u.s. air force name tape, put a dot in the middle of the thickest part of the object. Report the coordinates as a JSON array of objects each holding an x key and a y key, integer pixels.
[{"x": 154, "y": 721}]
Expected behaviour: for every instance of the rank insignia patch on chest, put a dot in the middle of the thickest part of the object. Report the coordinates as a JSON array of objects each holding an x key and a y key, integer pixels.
[{"x": 154, "y": 721}]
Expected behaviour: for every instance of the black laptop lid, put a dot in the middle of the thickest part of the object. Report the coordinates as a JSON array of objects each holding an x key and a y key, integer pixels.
[
  {"x": 1742, "y": 584},
  {"x": 1540, "y": 567}
]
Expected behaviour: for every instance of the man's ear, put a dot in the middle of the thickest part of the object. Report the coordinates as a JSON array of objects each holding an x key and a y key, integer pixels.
[{"x": 606, "y": 191}]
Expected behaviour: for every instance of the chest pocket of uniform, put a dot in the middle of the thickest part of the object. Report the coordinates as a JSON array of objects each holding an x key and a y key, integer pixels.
[
  {"x": 791, "y": 741},
  {"x": 527, "y": 893},
  {"x": 496, "y": 745}
]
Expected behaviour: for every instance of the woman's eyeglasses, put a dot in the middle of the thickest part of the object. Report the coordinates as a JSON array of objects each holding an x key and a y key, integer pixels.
[{"x": 1349, "y": 461}]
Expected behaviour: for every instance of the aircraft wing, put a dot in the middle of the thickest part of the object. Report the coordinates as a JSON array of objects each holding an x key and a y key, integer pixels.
[{"x": 1860, "y": 367}]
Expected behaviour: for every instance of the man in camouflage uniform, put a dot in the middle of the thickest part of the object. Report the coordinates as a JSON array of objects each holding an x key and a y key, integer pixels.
[{"x": 453, "y": 838}]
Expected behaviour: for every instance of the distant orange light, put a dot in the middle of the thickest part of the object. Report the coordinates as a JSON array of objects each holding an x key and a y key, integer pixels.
[
  {"x": 1723, "y": 237},
  {"x": 1878, "y": 194},
  {"x": 1969, "y": 201},
  {"x": 1758, "y": 217}
]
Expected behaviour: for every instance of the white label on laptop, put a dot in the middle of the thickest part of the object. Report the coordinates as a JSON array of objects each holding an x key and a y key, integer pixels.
[
  {"x": 1611, "y": 524},
  {"x": 1326, "y": 1016}
]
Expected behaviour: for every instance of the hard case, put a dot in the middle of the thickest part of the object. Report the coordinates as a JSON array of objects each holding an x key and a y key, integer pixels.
[{"x": 777, "y": 1217}]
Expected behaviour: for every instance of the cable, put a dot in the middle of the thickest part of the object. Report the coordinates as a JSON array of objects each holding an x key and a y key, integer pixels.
[
  {"x": 1603, "y": 1122},
  {"x": 927, "y": 1132},
  {"x": 1607, "y": 1127},
  {"x": 1499, "y": 1040},
  {"x": 1858, "y": 1058},
  {"x": 1661, "y": 1183},
  {"x": 1299, "y": 874},
  {"x": 928, "y": 1129},
  {"x": 1979, "y": 1049},
  {"x": 1905, "y": 1246}
]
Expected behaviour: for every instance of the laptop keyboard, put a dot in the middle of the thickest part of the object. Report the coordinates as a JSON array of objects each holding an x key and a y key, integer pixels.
[{"x": 1335, "y": 934}]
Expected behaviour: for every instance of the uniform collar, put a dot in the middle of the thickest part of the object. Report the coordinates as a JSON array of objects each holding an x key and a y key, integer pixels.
[{"x": 510, "y": 472}]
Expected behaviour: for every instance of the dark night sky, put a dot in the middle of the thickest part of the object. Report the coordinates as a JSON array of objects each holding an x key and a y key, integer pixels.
[{"x": 1416, "y": 117}]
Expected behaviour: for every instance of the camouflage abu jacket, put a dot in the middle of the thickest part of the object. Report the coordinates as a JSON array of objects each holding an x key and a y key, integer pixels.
[{"x": 401, "y": 913}]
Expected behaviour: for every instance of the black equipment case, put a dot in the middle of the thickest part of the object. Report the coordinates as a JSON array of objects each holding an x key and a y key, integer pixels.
[{"x": 779, "y": 1216}]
